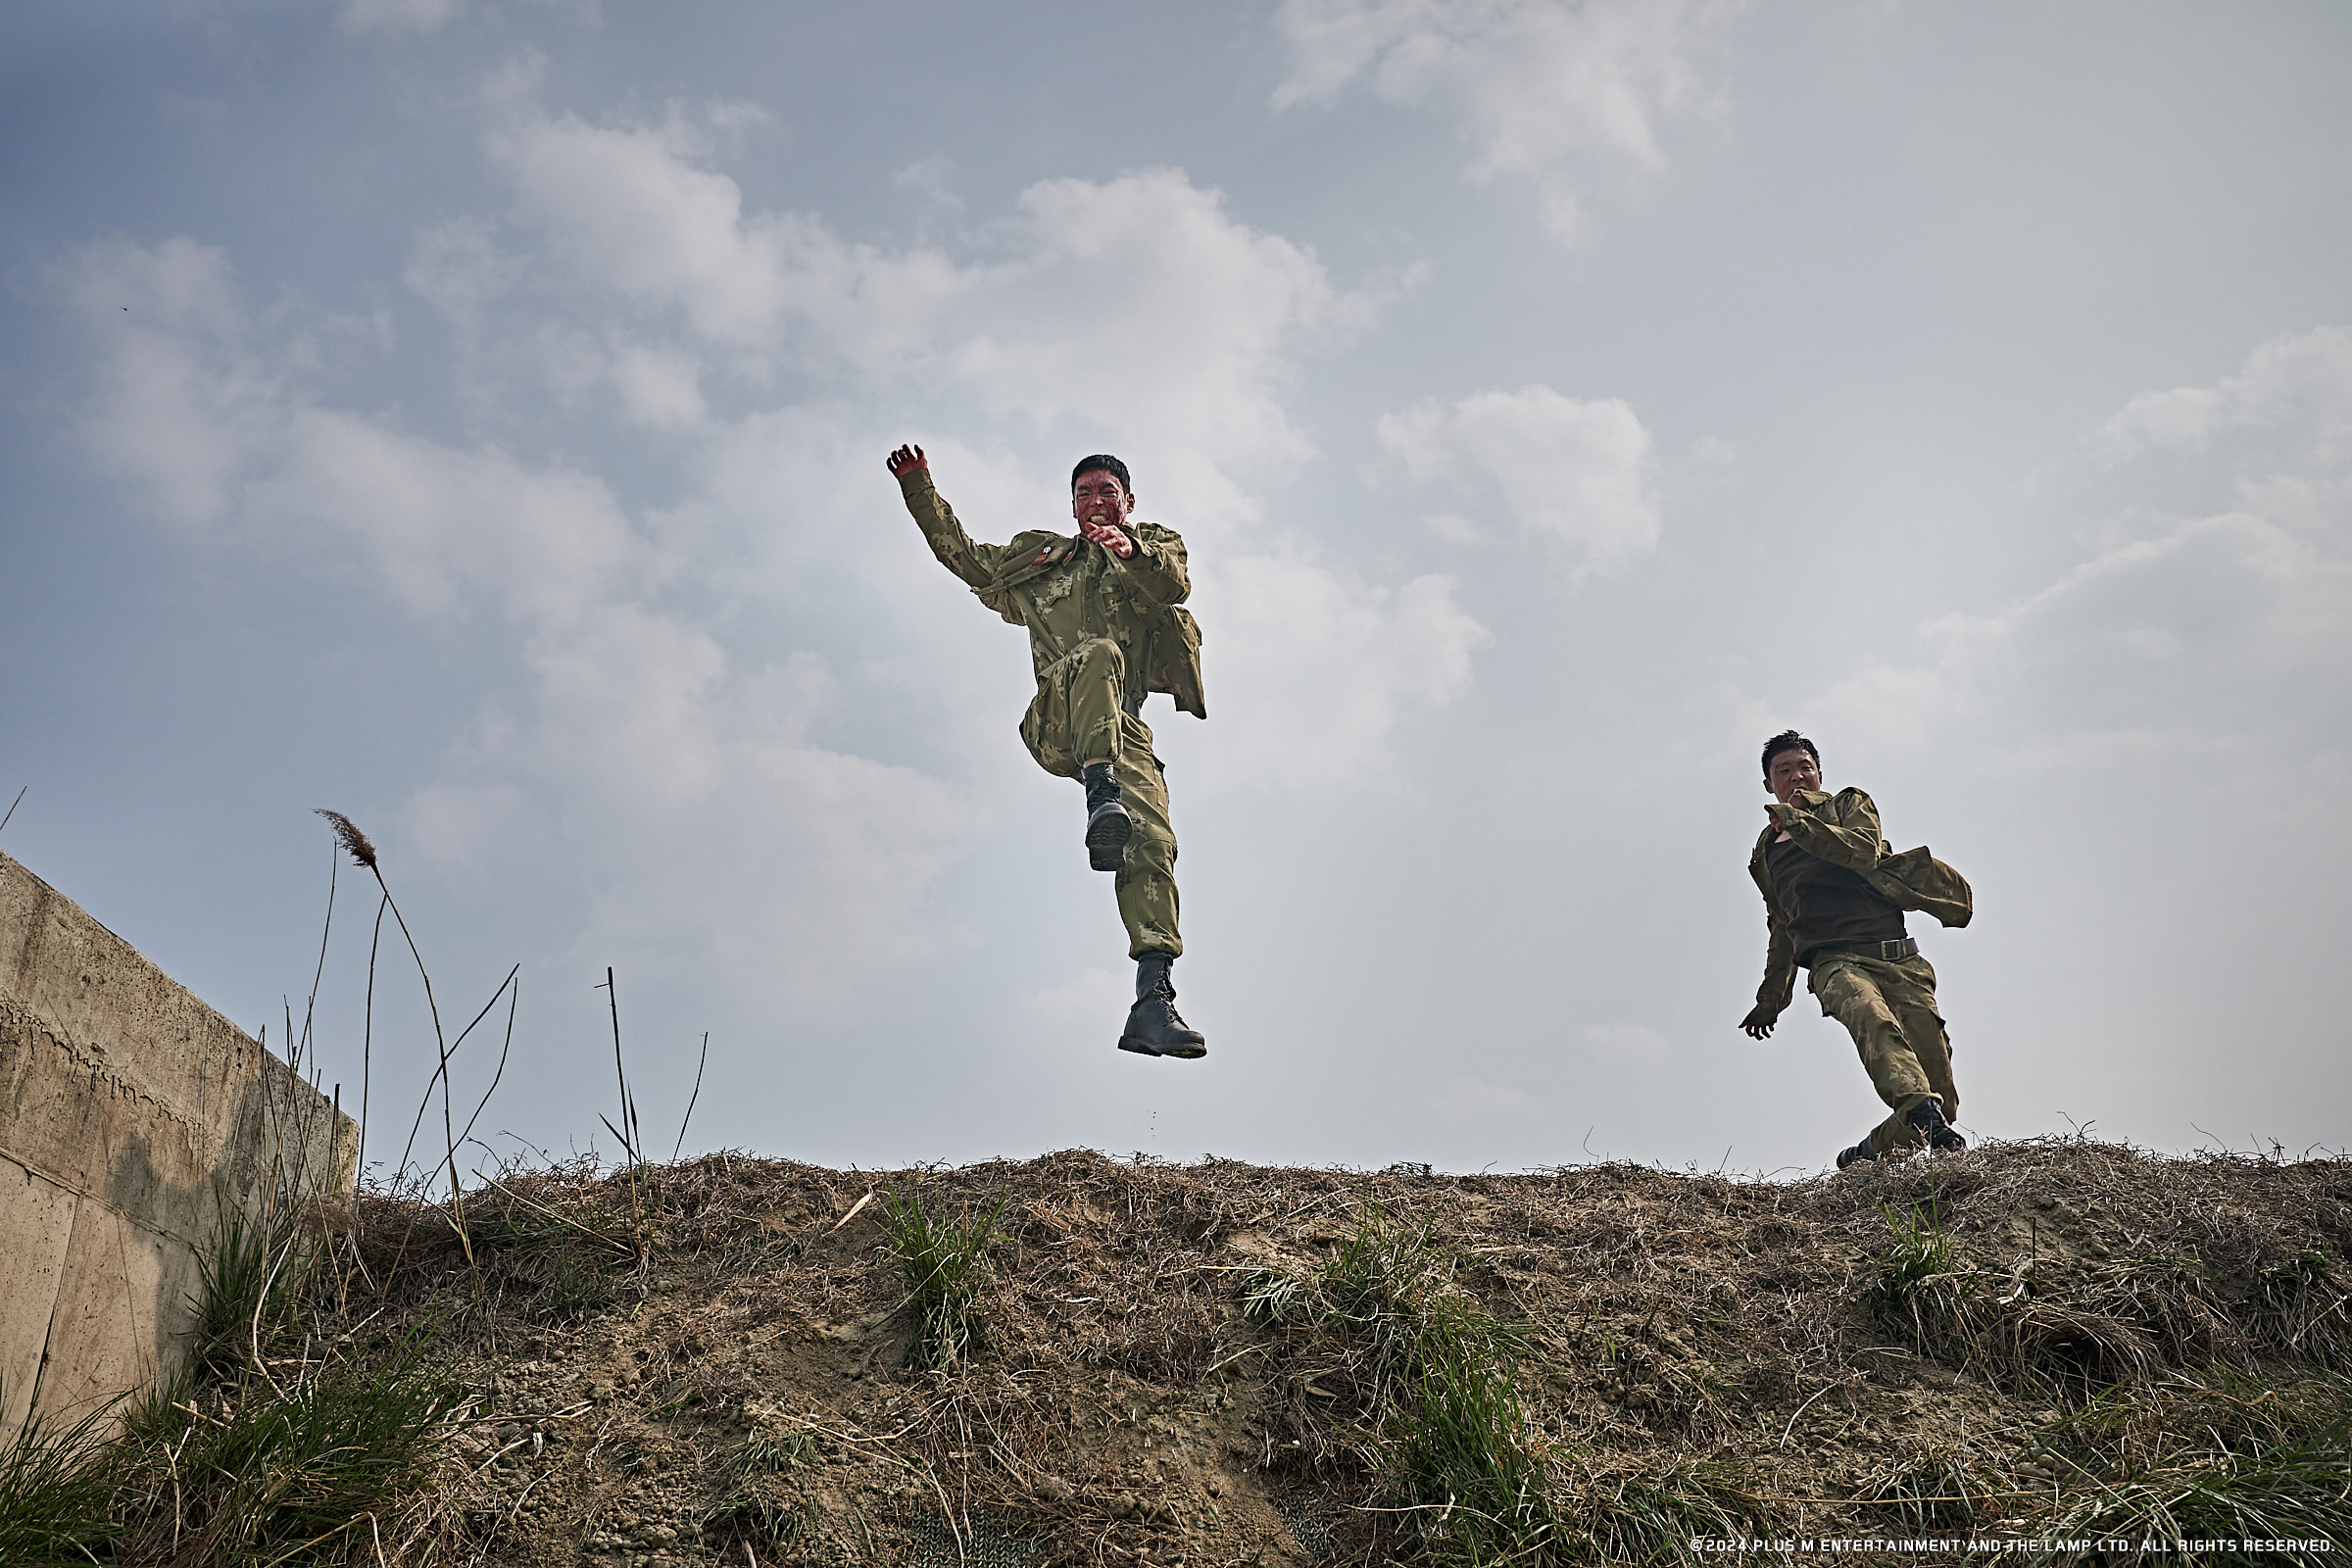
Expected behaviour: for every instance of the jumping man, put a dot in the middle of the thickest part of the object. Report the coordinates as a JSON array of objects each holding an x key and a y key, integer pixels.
[
  {"x": 1106, "y": 629},
  {"x": 1834, "y": 900}
]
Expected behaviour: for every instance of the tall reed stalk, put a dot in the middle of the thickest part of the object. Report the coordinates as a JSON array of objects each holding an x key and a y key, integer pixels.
[
  {"x": 627, "y": 1131},
  {"x": 355, "y": 843}
]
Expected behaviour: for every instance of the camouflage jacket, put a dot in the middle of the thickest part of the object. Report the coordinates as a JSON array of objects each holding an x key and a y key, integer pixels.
[
  {"x": 1843, "y": 830},
  {"x": 1068, "y": 592}
]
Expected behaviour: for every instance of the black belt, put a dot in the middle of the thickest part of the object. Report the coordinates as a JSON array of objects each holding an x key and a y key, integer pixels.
[{"x": 1907, "y": 948}]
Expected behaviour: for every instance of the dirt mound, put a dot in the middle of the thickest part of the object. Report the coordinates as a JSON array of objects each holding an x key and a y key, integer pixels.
[{"x": 725, "y": 1360}]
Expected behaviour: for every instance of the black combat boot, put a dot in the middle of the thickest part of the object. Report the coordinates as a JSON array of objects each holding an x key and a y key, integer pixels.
[
  {"x": 1862, "y": 1151},
  {"x": 1926, "y": 1118},
  {"x": 1108, "y": 827},
  {"x": 1154, "y": 1027}
]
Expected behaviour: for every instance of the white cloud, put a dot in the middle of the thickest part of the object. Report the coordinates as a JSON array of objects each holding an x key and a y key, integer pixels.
[
  {"x": 458, "y": 267},
  {"x": 480, "y": 827},
  {"x": 180, "y": 396},
  {"x": 1580, "y": 471},
  {"x": 1473, "y": 1102},
  {"x": 1881, "y": 709},
  {"x": 1625, "y": 1045},
  {"x": 1140, "y": 305},
  {"x": 726, "y": 841},
  {"x": 658, "y": 387},
  {"x": 438, "y": 524},
  {"x": 1542, "y": 87},
  {"x": 716, "y": 827},
  {"x": 1311, "y": 670},
  {"x": 190, "y": 412},
  {"x": 2179, "y": 628},
  {"x": 1137, "y": 306},
  {"x": 2300, "y": 384},
  {"x": 933, "y": 179},
  {"x": 633, "y": 212}
]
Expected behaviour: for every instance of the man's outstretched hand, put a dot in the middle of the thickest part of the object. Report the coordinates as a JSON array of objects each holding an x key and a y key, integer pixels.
[
  {"x": 1109, "y": 536},
  {"x": 1758, "y": 1023},
  {"x": 907, "y": 460}
]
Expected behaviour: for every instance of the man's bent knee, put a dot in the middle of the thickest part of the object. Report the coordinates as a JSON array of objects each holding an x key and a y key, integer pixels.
[{"x": 1101, "y": 653}]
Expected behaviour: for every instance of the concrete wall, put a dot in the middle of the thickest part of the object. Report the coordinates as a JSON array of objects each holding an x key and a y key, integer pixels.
[{"x": 129, "y": 1113}]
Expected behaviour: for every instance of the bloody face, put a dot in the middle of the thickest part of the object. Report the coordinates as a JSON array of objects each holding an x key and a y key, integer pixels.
[{"x": 1097, "y": 499}]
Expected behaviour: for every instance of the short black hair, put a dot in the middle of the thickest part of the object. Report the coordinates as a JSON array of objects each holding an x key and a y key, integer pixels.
[
  {"x": 1787, "y": 740},
  {"x": 1104, "y": 463}
]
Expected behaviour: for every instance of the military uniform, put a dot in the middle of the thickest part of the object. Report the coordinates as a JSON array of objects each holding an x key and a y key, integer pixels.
[
  {"x": 1103, "y": 633},
  {"x": 1840, "y": 916}
]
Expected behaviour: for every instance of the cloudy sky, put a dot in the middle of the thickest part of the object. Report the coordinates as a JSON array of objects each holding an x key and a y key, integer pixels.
[{"x": 468, "y": 414}]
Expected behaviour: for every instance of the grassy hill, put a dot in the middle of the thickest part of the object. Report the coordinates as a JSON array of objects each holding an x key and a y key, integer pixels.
[{"x": 2067, "y": 1348}]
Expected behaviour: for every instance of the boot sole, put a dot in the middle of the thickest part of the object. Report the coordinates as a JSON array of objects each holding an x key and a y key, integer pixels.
[
  {"x": 1106, "y": 839},
  {"x": 1181, "y": 1052}
]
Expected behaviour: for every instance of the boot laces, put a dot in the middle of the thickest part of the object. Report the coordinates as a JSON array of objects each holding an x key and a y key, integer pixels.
[{"x": 1165, "y": 992}]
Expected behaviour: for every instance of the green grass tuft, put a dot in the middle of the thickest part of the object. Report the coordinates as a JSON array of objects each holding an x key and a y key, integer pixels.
[
  {"x": 251, "y": 1473},
  {"x": 1461, "y": 1463},
  {"x": 1924, "y": 1292},
  {"x": 1461, "y": 1450},
  {"x": 2223, "y": 1455},
  {"x": 1651, "y": 1516},
  {"x": 942, "y": 1263},
  {"x": 57, "y": 1491},
  {"x": 1271, "y": 1297},
  {"x": 250, "y": 1283}
]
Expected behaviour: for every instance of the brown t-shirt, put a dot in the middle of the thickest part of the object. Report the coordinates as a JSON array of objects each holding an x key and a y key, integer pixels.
[{"x": 1828, "y": 906}]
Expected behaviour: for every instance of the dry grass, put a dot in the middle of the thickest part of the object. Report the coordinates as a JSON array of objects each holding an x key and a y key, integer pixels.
[
  {"x": 1226, "y": 1364},
  {"x": 1220, "y": 1361}
]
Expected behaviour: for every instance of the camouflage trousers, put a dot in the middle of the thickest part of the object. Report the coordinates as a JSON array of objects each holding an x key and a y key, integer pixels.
[
  {"x": 1079, "y": 716},
  {"x": 1888, "y": 1006}
]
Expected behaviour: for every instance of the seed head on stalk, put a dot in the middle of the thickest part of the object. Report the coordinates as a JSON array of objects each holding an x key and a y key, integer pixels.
[
  {"x": 347, "y": 833},
  {"x": 355, "y": 842}
]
